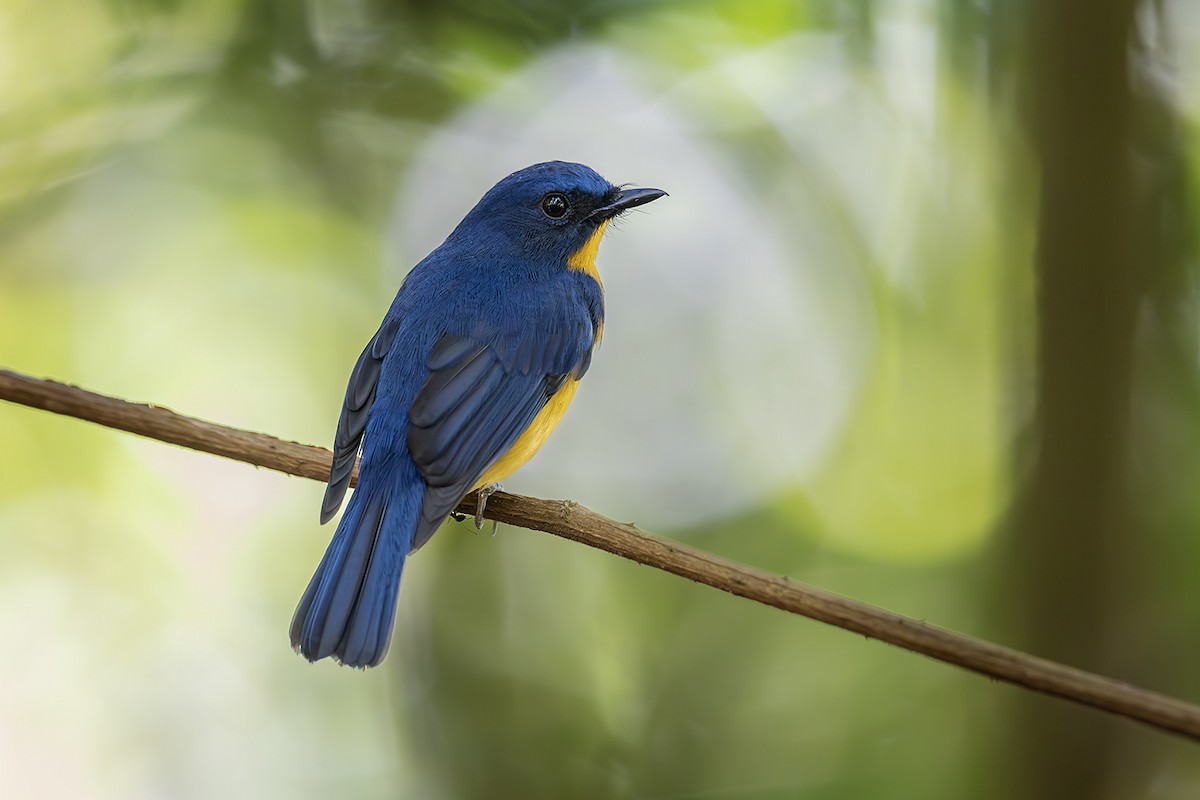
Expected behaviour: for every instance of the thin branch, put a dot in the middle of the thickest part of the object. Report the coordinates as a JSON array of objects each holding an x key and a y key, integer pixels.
[{"x": 571, "y": 521}]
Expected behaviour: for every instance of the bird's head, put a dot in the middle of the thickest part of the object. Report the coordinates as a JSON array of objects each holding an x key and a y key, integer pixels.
[{"x": 554, "y": 212}]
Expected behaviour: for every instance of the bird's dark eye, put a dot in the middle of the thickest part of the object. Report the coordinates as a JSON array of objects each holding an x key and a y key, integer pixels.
[{"x": 555, "y": 206}]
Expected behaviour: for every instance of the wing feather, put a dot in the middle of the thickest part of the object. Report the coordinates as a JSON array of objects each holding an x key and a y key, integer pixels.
[
  {"x": 360, "y": 395},
  {"x": 476, "y": 404}
]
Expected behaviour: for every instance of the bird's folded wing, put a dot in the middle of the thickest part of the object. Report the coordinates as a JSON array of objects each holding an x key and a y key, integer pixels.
[
  {"x": 477, "y": 402},
  {"x": 360, "y": 394}
]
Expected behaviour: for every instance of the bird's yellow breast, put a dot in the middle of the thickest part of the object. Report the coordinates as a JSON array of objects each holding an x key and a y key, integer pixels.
[{"x": 533, "y": 438}]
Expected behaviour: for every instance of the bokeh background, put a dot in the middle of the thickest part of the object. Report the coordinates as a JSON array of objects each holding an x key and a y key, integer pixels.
[{"x": 918, "y": 324}]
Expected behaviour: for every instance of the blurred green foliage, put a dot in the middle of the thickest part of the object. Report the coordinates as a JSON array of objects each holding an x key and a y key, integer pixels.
[{"x": 821, "y": 359}]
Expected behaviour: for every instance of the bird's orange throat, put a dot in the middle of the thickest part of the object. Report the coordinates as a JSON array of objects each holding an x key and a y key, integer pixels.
[{"x": 584, "y": 259}]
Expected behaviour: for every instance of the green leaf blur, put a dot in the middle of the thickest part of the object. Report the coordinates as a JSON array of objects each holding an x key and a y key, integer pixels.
[{"x": 821, "y": 358}]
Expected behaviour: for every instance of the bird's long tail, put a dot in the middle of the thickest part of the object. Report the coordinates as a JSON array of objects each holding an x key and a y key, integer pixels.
[{"x": 350, "y": 604}]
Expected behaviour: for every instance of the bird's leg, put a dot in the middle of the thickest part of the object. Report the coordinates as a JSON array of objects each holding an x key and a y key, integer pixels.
[{"x": 482, "y": 497}]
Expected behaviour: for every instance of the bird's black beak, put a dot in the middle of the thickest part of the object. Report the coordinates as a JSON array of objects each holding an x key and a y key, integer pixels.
[{"x": 626, "y": 199}]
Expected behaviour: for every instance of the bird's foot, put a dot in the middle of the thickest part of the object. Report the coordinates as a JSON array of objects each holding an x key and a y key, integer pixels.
[{"x": 481, "y": 499}]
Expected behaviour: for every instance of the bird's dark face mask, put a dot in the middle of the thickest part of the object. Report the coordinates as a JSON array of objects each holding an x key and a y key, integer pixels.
[{"x": 595, "y": 212}]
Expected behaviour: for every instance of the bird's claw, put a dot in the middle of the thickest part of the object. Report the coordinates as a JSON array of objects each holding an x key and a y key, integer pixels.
[{"x": 481, "y": 504}]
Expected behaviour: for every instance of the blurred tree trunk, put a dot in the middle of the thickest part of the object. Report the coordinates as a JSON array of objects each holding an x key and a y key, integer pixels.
[{"x": 1074, "y": 530}]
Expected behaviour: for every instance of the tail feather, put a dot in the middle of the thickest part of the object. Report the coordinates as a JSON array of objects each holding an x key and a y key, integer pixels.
[
  {"x": 370, "y": 630},
  {"x": 349, "y": 606}
]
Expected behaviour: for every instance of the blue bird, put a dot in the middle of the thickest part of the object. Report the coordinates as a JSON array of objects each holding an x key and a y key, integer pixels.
[{"x": 474, "y": 365}]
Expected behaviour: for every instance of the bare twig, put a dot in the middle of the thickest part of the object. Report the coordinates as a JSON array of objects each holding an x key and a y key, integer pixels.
[{"x": 571, "y": 521}]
